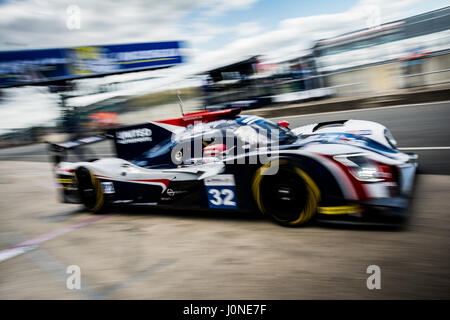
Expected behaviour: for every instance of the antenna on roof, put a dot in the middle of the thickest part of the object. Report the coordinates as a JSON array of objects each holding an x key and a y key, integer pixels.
[{"x": 180, "y": 102}]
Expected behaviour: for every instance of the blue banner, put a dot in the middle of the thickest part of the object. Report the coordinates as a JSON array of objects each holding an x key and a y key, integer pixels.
[{"x": 36, "y": 66}]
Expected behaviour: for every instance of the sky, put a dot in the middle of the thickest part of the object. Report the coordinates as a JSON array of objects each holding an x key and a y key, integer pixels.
[{"x": 215, "y": 32}]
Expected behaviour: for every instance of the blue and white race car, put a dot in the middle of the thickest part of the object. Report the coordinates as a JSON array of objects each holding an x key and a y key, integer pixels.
[{"x": 340, "y": 171}]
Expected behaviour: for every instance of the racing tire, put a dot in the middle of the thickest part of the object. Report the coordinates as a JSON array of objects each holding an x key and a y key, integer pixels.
[
  {"x": 290, "y": 196},
  {"x": 89, "y": 190}
]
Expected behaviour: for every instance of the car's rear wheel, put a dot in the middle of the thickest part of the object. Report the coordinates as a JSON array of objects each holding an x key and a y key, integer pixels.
[
  {"x": 89, "y": 190},
  {"x": 290, "y": 196}
]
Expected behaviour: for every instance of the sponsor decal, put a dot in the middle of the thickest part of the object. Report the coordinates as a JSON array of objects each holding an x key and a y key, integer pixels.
[
  {"x": 134, "y": 136},
  {"x": 108, "y": 187},
  {"x": 170, "y": 192},
  {"x": 221, "y": 191}
]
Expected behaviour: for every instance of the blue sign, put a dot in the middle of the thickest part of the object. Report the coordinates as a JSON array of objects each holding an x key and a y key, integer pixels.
[{"x": 35, "y": 66}]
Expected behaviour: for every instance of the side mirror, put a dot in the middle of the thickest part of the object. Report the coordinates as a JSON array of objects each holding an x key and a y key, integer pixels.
[{"x": 284, "y": 124}]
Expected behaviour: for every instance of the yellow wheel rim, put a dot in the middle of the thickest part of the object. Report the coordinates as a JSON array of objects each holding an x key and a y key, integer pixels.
[
  {"x": 99, "y": 193},
  {"x": 313, "y": 190}
]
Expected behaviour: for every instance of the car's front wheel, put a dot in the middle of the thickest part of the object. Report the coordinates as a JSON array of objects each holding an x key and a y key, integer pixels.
[{"x": 290, "y": 196}]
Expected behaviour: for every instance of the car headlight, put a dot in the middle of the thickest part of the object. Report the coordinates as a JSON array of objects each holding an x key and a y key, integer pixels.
[
  {"x": 367, "y": 173},
  {"x": 362, "y": 168},
  {"x": 390, "y": 138}
]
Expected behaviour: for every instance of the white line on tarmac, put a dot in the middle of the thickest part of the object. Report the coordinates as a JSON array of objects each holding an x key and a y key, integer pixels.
[
  {"x": 47, "y": 262},
  {"x": 365, "y": 109},
  {"x": 14, "y": 252},
  {"x": 28, "y": 245}
]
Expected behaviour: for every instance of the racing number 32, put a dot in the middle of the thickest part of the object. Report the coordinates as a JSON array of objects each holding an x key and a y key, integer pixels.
[
  {"x": 222, "y": 197},
  {"x": 221, "y": 191}
]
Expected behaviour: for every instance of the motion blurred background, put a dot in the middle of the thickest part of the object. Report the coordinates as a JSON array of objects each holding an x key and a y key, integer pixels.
[
  {"x": 59, "y": 74},
  {"x": 76, "y": 68}
]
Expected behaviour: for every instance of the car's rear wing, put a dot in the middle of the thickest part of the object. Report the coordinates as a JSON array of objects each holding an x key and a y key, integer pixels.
[
  {"x": 129, "y": 141},
  {"x": 59, "y": 151},
  {"x": 202, "y": 116}
]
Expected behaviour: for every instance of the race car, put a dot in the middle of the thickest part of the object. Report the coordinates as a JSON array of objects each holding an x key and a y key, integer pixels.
[{"x": 344, "y": 171}]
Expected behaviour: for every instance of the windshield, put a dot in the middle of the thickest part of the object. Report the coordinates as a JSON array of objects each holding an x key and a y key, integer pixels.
[{"x": 264, "y": 132}]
